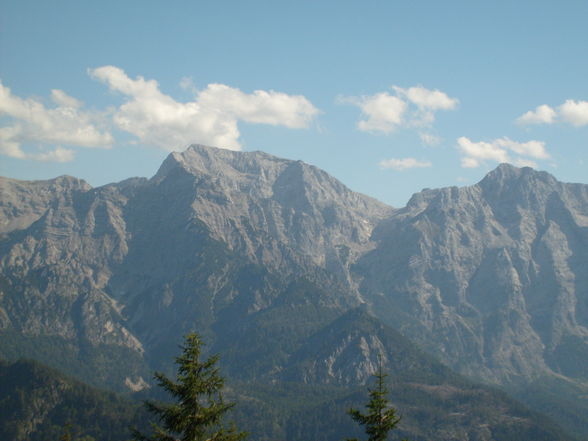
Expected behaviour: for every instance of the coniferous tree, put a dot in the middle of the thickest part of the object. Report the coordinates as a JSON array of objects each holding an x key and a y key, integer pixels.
[
  {"x": 199, "y": 409},
  {"x": 381, "y": 417}
]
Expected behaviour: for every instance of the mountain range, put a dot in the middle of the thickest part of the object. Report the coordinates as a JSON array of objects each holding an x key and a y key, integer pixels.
[{"x": 296, "y": 280}]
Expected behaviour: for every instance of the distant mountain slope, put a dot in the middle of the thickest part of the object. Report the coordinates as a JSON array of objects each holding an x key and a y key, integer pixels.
[
  {"x": 492, "y": 280},
  {"x": 261, "y": 255},
  {"x": 212, "y": 239},
  {"x": 23, "y": 202},
  {"x": 491, "y": 276},
  {"x": 318, "y": 386}
]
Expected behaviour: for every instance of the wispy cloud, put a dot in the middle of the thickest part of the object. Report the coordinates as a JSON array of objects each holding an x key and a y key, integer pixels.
[
  {"x": 385, "y": 112},
  {"x": 541, "y": 115},
  {"x": 500, "y": 150},
  {"x": 30, "y": 122},
  {"x": 427, "y": 102},
  {"x": 571, "y": 112},
  {"x": 403, "y": 163},
  {"x": 429, "y": 139},
  {"x": 212, "y": 118},
  {"x": 381, "y": 112}
]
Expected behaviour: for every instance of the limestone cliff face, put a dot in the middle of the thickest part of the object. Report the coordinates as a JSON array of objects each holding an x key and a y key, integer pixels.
[
  {"x": 212, "y": 239},
  {"x": 491, "y": 278},
  {"x": 219, "y": 238},
  {"x": 260, "y": 205},
  {"x": 55, "y": 269},
  {"x": 23, "y": 202},
  {"x": 263, "y": 254}
]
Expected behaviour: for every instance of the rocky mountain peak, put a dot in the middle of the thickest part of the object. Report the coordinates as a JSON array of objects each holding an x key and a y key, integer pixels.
[
  {"x": 199, "y": 160},
  {"x": 262, "y": 252},
  {"x": 496, "y": 266},
  {"x": 246, "y": 198},
  {"x": 505, "y": 171},
  {"x": 71, "y": 182},
  {"x": 507, "y": 182},
  {"x": 23, "y": 202},
  {"x": 256, "y": 174}
]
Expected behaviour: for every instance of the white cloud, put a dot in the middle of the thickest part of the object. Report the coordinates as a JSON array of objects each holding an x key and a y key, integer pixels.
[
  {"x": 476, "y": 152},
  {"x": 499, "y": 150},
  {"x": 30, "y": 122},
  {"x": 157, "y": 119},
  {"x": 575, "y": 112},
  {"x": 429, "y": 139},
  {"x": 541, "y": 115},
  {"x": 8, "y": 145},
  {"x": 412, "y": 107},
  {"x": 534, "y": 149},
  {"x": 381, "y": 112},
  {"x": 11, "y": 148},
  {"x": 427, "y": 98},
  {"x": 572, "y": 112},
  {"x": 62, "y": 99},
  {"x": 260, "y": 107},
  {"x": 403, "y": 164}
]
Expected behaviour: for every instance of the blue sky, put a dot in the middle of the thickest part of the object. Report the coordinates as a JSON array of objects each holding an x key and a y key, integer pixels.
[{"x": 388, "y": 96}]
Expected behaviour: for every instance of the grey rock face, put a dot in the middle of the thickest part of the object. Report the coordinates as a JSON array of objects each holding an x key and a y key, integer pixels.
[
  {"x": 22, "y": 202},
  {"x": 53, "y": 272},
  {"x": 492, "y": 277},
  {"x": 262, "y": 254},
  {"x": 103, "y": 265},
  {"x": 241, "y": 195}
]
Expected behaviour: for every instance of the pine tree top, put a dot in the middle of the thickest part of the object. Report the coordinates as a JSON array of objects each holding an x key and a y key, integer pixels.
[{"x": 199, "y": 407}]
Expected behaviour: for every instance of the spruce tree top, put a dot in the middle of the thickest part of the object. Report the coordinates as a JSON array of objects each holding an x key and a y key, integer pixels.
[
  {"x": 199, "y": 407},
  {"x": 381, "y": 417}
]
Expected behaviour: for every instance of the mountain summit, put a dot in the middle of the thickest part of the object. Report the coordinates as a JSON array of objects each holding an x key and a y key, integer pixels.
[
  {"x": 263, "y": 254},
  {"x": 490, "y": 276},
  {"x": 239, "y": 195}
]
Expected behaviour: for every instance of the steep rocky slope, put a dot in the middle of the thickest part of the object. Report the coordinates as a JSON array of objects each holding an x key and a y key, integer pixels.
[
  {"x": 262, "y": 255},
  {"x": 23, "y": 202},
  {"x": 492, "y": 277},
  {"x": 214, "y": 238},
  {"x": 492, "y": 280}
]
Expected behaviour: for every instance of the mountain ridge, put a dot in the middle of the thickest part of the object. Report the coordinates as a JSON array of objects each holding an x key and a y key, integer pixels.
[{"x": 261, "y": 253}]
